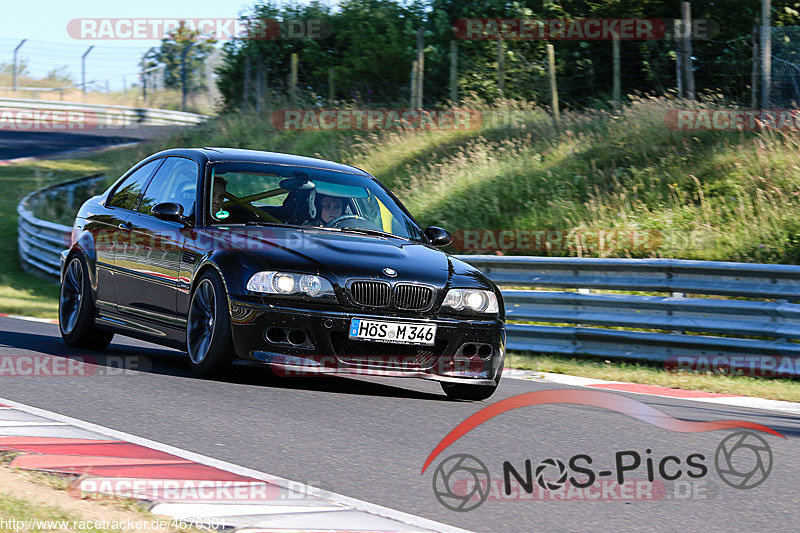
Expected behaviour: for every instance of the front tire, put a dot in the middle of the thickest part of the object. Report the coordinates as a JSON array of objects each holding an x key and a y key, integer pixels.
[
  {"x": 76, "y": 309},
  {"x": 208, "y": 328}
]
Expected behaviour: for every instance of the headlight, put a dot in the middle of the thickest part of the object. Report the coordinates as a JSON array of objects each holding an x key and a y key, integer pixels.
[
  {"x": 475, "y": 300},
  {"x": 289, "y": 283}
]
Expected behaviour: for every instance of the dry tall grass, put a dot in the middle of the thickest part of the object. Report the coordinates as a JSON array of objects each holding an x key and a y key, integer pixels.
[{"x": 707, "y": 195}]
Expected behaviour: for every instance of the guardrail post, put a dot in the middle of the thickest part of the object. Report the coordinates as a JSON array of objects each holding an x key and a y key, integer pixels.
[{"x": 669, "y": 313}]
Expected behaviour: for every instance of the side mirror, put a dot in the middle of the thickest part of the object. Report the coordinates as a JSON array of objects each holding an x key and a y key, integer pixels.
[
  {"x": 169, "y": 211},
  {"x": 438, "y": 236}
]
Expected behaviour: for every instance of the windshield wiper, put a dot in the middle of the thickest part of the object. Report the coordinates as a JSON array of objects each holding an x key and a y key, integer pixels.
[
  {"x": 262, "y": 223},
  {"x": 364, "y": 231},
  {"x": 368, "y": 231}
]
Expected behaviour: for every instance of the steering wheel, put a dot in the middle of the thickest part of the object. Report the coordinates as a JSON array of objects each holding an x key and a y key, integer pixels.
[
  {"x": 332, "y": 223},
  {"x": 261, "y": 215}
]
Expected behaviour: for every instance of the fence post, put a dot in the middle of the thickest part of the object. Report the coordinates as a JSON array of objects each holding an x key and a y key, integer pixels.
[
  {"x": 616, "y": 89},
  {"x": 501, "y": 69},
  {"x": 184, "y": 86},
  {"x": 83, "y": 69},
  {"x": 686, "y": 36},
  {"x": 766, "y": 52},
  {"x": 412, "y": 101},
  {"x": 246, "y": 84},
  {"x": 420, "y": 67},
  {"x": 754, "y": 70},
  {"x": 678, "y": 57},
  {"x": 259, "y": 82},
  {"x": 14, "y": 73},
  {"x": 293, "y": 80},
  {"x": 210, "y": 65},
  {"x": 551, "y": 69},
  {"x": 453, "y": 71},
  {"x": 144, "y": 75},
  {"x": 331, "y": 87}
]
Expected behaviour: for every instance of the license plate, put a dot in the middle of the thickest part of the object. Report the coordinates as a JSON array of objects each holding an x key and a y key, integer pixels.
[{"x": 396, "y": 332}]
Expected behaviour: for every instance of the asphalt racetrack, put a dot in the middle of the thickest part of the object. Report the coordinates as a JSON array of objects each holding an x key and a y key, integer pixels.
[
  {"x": 18, "y": 144},
  {"x": 369, "y": 437}
]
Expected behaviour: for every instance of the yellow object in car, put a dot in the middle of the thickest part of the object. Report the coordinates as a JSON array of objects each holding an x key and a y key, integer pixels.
[{"x": 386, "y": 217}]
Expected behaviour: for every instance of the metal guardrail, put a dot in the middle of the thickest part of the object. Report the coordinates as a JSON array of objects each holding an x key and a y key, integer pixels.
[
  {"x": 106, "y": 116},
  {"x": 41, "y": 242},
  {"x": 758, "y": 315}
]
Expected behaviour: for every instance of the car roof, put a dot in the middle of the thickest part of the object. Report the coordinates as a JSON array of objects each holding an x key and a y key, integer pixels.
[{"x": 217, "y": 154}]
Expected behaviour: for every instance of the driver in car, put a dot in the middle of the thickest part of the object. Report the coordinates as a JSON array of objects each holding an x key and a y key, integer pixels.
[
  {"x": 218, "y": 194},
  {"x": 328, "y": 208},
  {"x": 231, "y": 213}
]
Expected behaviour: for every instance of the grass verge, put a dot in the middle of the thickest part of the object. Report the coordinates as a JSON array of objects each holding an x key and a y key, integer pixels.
[
  {"x": 35, "y": 501},
  {"x": 772, "y": 388},
  {"x": 20, "y": 292}
]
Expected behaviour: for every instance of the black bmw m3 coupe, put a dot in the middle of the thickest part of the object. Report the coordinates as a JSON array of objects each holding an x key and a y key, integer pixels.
[{"x": 305, "y": 265}]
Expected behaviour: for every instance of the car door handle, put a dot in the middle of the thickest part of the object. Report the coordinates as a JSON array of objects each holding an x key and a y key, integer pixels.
[{"x": 125, "y": 226}]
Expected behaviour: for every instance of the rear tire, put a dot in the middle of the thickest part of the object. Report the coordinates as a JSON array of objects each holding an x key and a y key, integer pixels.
[
  {"x": 208, "y": 328},
  {"x": 76, "y": 310}
]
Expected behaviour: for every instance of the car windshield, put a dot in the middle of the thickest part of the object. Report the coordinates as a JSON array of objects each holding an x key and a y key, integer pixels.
[{"x": 260, "y": 193}]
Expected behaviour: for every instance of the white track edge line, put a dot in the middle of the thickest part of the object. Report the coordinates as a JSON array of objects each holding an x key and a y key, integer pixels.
[
  {"x": 747, "y": 402},
  {"x": 355, "y": 503}
]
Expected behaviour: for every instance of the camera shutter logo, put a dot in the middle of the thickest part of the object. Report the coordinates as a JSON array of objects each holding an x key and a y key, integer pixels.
[
  {"x": 461, "y": 470},
  {"x": 550, "y": 484},
  {"x": 743, "y": 460}
]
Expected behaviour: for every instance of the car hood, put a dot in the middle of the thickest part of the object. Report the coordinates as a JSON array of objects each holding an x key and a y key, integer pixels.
[{"x": 343, "y": 256}]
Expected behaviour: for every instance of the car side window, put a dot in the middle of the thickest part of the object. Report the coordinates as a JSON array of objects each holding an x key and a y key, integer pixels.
[
  {"x": 127, "y": 194},
  {"x": 175, "y": 181}
]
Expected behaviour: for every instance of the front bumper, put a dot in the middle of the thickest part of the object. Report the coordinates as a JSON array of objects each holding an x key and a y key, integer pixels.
[{"x": 327, "y": 349}]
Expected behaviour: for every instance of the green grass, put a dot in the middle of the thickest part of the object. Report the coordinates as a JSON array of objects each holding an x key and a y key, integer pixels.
[
  {"x": 18, "y": 509},
  {"x": 85, "y": 513},
  {"x": 729, "y": 196},
  {"x": 776, "y": 389},
  {"x": 20, "y": 292}
]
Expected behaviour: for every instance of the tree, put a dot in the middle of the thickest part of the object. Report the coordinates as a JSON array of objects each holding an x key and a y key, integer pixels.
[
  {"x": 373, "y": 45},
  {"x": 7, "y": 69},
  {"x": 182, "y": 40}
]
